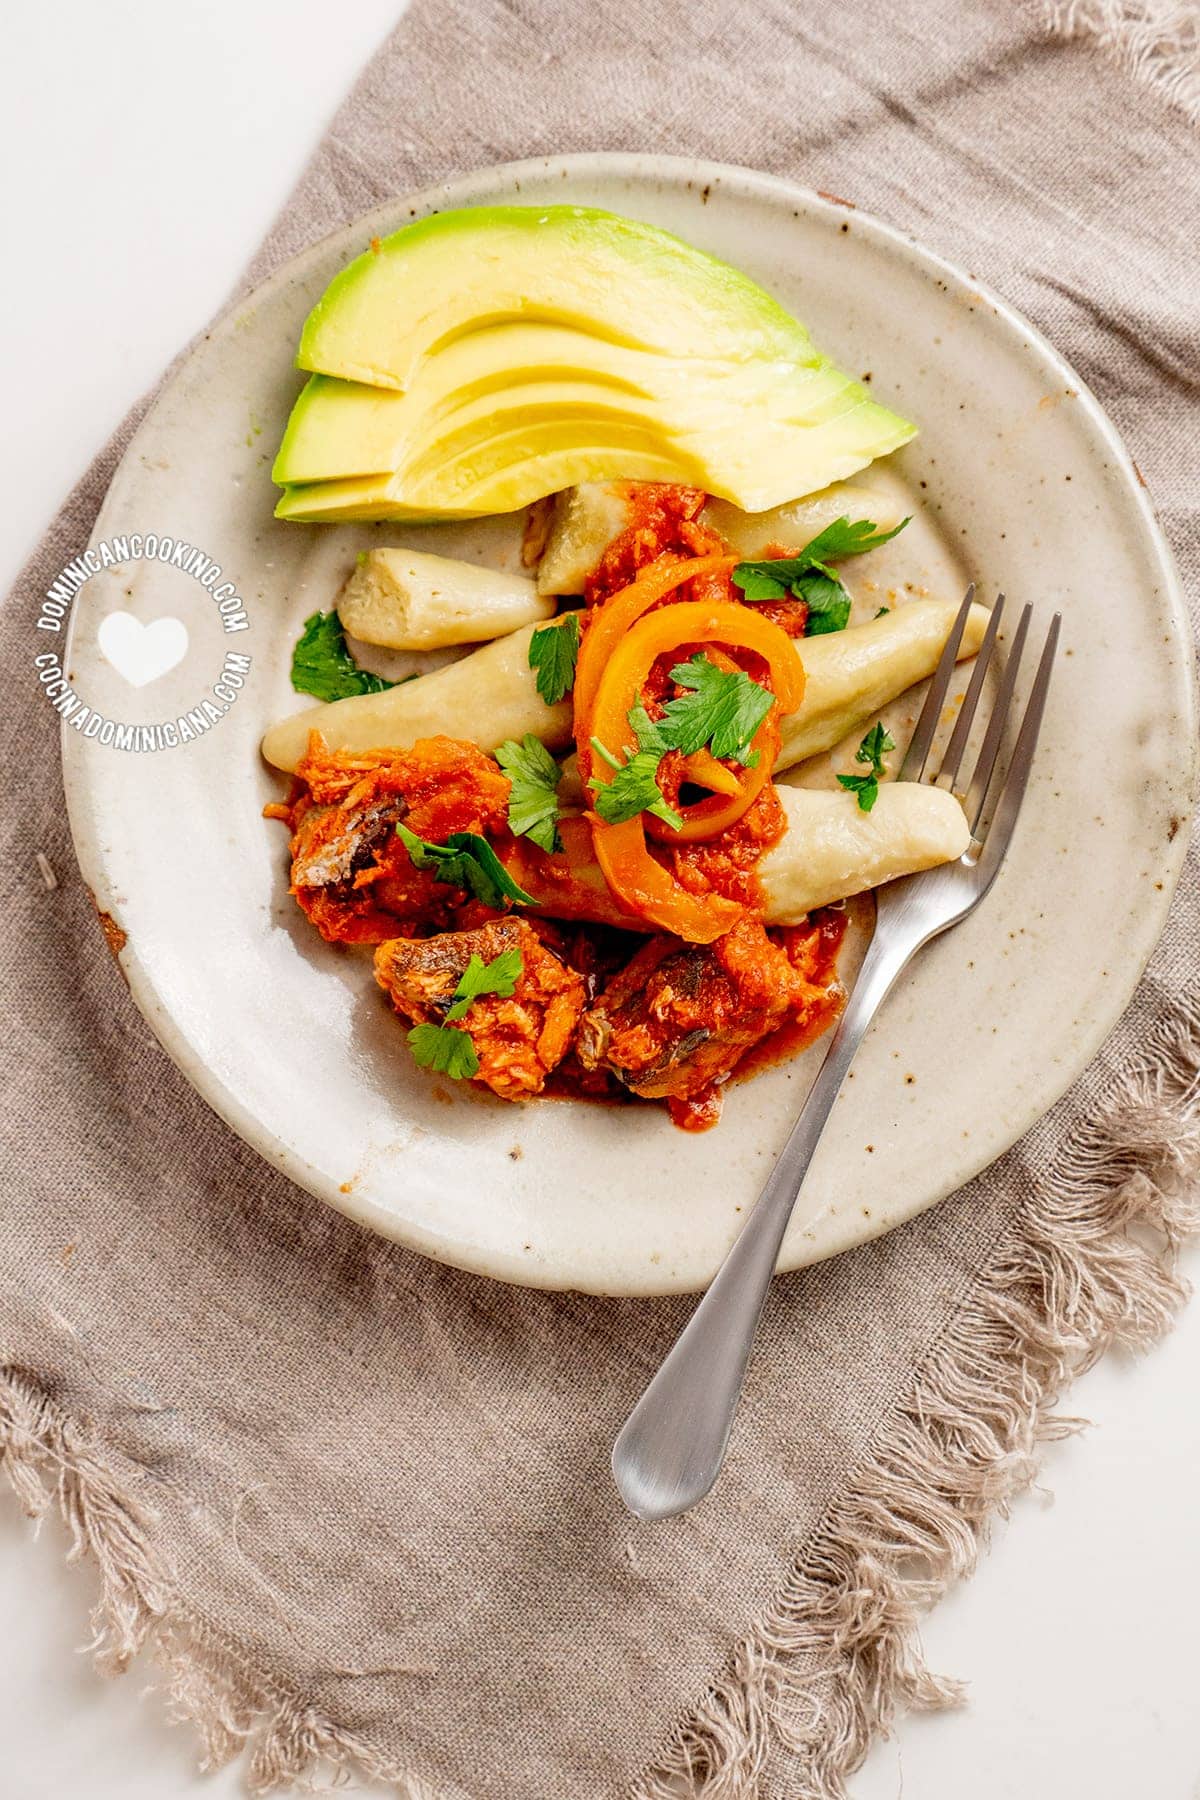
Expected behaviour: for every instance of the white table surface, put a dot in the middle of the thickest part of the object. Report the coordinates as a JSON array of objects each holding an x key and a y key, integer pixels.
[{"x": 152, "y": 145}]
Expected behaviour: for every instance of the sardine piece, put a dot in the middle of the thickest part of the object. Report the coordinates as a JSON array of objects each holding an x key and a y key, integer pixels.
[
  {"x": 677, "y": 1021},
  {"x": 332, "y": 844},
  {"x": 518, "y": 1038}
]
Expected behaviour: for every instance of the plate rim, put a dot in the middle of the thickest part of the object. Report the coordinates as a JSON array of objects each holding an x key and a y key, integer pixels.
[{"x": 688, "y": 173}]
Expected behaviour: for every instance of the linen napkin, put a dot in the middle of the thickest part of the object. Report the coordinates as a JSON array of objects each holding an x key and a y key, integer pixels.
[{"x": 359, "y": 1503}]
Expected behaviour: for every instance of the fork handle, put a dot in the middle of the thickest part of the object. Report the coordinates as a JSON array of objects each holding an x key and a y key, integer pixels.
[{"x": 673, "y": 1444}]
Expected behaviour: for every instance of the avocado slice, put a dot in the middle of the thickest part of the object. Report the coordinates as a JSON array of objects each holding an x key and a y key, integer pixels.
[
  {"x": 480, "y": 359},
  {"x": 499, "y": 455},
  {"x": 619, "y": 279},
  {"x": 340, "y": 428},
  {"x": 543, "y": 461}
]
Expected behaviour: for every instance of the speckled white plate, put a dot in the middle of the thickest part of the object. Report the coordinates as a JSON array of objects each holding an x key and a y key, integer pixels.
[{"x": 1023, "y": 484}]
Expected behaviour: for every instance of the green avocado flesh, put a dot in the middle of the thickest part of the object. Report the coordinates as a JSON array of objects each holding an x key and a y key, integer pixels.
[{"x": 480, "y": 359}]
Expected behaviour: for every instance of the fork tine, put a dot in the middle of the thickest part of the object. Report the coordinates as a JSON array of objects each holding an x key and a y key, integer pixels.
[
  {"x": 915, "y": 757},
  {"x": 952, "y": 761},
  {"x": 1012, "y": 792},
  {"x": 981, "y": 780}
]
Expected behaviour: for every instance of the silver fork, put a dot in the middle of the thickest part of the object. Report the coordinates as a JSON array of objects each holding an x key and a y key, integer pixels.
[{"x": 672, "y": 1447}]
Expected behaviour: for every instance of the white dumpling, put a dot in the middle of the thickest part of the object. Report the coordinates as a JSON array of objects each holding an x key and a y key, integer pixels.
[{"x": 833, "y": 849}]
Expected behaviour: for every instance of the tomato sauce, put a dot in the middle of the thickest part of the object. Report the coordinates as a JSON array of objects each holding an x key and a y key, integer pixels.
[
  {"x": 662, "y": 520},
  {"x": 815, "y": 946},
  {"x": 727, "y": 864}
]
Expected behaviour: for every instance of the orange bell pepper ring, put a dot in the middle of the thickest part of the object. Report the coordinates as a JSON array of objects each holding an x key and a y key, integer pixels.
[
  {"x": 636, "y": 877},
  {"x": 607, "y": 624}
]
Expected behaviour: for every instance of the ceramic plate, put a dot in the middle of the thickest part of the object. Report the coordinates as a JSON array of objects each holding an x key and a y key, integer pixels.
[{"x": 1021, "y": 483}]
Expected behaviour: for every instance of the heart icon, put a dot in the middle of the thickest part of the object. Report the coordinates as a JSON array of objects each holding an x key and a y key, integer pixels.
[{"x": 141, "y": 653}]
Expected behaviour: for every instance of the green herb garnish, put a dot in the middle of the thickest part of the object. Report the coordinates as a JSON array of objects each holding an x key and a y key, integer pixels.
[
  {"x": 451, "y": 1052},
  {"x": 827, "y": 601},
  {"x": 871, "y": 751},
  {"x": 846, "y": 537},
  {"x": 634, "y": 787},
  {"x": 723, "y": 710},
  {"x": 533, "y": 798},
  {"x": 478, "y": 978},
  {"x": 322, "y": 665},
  {"x": 808, "y": 577},
  {"x": 468, "y": 861},
  {"x": 553, "y": 651},
  {"x": 445, "y": 1050}
]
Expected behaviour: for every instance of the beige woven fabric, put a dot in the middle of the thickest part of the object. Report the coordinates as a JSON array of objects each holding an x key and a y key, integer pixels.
[{"x": 360, "y": 1501}]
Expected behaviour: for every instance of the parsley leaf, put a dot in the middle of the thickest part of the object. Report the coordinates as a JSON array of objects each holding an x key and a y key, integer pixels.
[
  {"x": 758, "y": 580},
  {"x": 871, "y": 751},
  {"x": 634, "y": 787},
  {"x": 844, "y": 538},
  {"x": 478, "y": 978},
  {"x": 827, "y": 600},
  {"x": 723, "y": 710},
  {"x": 451, "y": 1052},
  {"x": 445, "y": 1050},
  {"x": 875, "y": 747},
  {"x": 808, "y": 577},
  {"x": 865, "y": 786},
  {"x": 533, "y": 798},
  {"x": 883, "y": 612},
  {"x": 553, "y": 652},
  {"x": 468, "y": 861},
  {"x": 322, "y": 665},
  {"x": 651, "y": 734}
]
